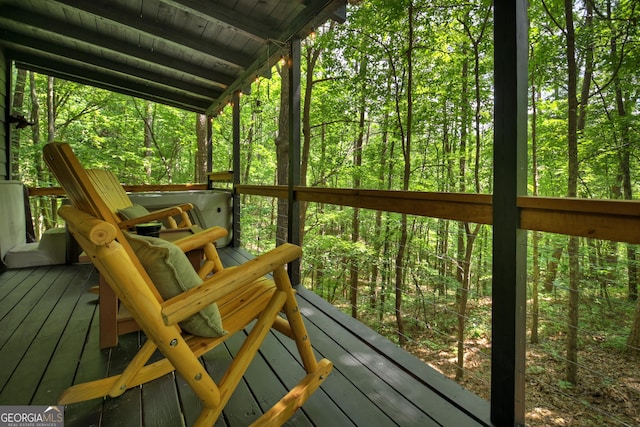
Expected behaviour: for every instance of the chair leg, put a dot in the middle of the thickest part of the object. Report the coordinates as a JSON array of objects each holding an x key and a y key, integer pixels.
[
  {"x": 108, "y": 307},
  {"x": 212, "y": 261},
  {"x": 292, "y": 401},
  {"x": 186, "y": 221},
  {"x": 133, "y": 368},
  {"x": 298, "y": 330},
  {"x": 249, "y": 348}
]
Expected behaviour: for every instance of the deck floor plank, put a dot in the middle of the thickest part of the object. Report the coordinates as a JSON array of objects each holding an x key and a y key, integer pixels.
[
  {"x": 242, "y": 407},
  {"x": 374, "y": 383},
  {"x": 25, "y": 360},
  {"x": 61, "y": 369},
  {"x": 423, "y": 386},
  {"x": 125, "y": 410},
  {"x": 264, "y": 383},
  {"x": 92, "y": 364},
  {"x": 19, "y": 294},
  {"x": 367, "y": 399},
  {"x": 394, "y": 390},
  {"x": 281, "y": 355},
  {"x": 160, "y": 403},
  {"x": 11, "y": 279}
]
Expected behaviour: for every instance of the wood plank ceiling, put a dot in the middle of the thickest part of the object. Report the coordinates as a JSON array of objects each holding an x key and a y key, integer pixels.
[{"x": 191, "y": 54}]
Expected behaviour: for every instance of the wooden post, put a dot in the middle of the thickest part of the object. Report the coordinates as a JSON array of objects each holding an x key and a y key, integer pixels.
[
  {"x": 293, "y": 217},
  {"x": 509, "y": 241},
  {"x": 235, "y": 241}
]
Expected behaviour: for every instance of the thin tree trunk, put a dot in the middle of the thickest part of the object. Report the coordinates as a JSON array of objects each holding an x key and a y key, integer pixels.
[
  {"x": 357, "y": 163},
  {"x": 35, "y": 135},
  {"x": 378, "y": 242},
  {"x": 464, "y": 297},
  {"x": 47, "y": 205},
  {"x": 148, "y": 138},
  {"x": 576, "y": 123},
  {"x": 312, "y": 53},
  {"x": 535, "y": 280},
  {"x": 467, "y": 247},
  {"x": 406, "y": 151},
  {"x": 202, "y": 160},
  {"x": 282, "y": 155}
]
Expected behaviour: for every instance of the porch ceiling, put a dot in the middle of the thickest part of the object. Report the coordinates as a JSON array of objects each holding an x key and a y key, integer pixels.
[{"x": 185, "y": 53}]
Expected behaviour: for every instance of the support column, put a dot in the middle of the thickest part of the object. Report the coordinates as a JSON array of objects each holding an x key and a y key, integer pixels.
[
  {"x": 235, "y": 240},
  {"x": 509, "y": 241},
  {"x": 293, "y": 217}
]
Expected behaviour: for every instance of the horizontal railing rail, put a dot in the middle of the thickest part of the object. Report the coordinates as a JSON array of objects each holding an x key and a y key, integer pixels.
[
  {"x": 617, "y": 220},
  {"x": 59, "y": 191}
]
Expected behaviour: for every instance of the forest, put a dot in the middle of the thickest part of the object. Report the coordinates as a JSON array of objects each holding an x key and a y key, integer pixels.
[{"x": 400, "y": 98}]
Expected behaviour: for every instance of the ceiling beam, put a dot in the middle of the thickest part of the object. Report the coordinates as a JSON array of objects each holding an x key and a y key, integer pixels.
[
  {"x": 107, "y": 66},
  {"x": 19, "y": 20},
  {"x": 236, "y": 21},
  {"x": 144, "y": 26},
  {"x": 51, "y": 66}
]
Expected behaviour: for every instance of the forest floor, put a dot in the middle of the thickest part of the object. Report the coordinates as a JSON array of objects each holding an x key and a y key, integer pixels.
[
  {"x": 608, "y": 388},
  {"x": 607, "y": 393}
]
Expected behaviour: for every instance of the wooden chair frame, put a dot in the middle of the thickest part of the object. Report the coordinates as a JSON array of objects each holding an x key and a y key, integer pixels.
[
  {"x": 243, "y": 295},
  {"x": 89, "y": 191}
]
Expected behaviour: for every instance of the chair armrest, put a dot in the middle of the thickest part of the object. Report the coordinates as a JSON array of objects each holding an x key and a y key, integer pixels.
[
  {"x": 152, "y": 216},
  {"x": 225, "y": 282},
  {"x": 201, "y": 238},
  {"x": 185, "y": 206}
]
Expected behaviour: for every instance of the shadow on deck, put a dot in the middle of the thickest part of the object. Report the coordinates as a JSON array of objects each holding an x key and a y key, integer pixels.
[{"x": 49, "y": 340}]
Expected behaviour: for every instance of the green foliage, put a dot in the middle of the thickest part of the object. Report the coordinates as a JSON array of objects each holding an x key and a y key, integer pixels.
[
  {"x": 108, "y": 130},
  {"x": 363, "y": 68}
]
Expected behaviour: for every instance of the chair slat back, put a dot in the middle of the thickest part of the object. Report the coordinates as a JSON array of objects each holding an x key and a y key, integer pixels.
[
  {"x": 84, "y": 196},
  {"x": 73, "y": 178},
  {"x": 110, "y": 190}
]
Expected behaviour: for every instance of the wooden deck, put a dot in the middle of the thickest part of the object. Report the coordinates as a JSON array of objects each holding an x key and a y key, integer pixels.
[{"x": 49, "y": 340}]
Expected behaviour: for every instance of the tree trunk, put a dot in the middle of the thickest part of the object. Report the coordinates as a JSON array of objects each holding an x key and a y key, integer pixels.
[
  {"x": 312, "y": 54},
  {"x": 202, "y": 160},
  {"x": 464, "y": 297},
  {"x": 47, "y": 205},
  {"x": 466, "y": 247},
  {"x": 576, "y": 123},
  {"x": 378, "y": 242},
  {"x": 406, "y": 152},
  {"x": 148, "y": 138},
  {"x": 35, "y": 135},
  {"x": 535, "y": 280},
  {"x": 357, "y": 163},
  {"x": 552, "y": 268},
  {"x": 249, "y": 152},
  {"x": 282, "y": 154}
]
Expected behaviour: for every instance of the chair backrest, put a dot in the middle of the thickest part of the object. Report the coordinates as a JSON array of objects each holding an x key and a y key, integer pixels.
[
  {"x": 84, "y": 196},
  {"x": 79, "y": 189},
  {"x": 110, "y": 189}
]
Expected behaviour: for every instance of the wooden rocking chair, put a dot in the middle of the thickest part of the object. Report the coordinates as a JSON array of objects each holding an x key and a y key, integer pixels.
[
  {"x": 242, "y": 295},
  {"x": 89, "y": 191}
]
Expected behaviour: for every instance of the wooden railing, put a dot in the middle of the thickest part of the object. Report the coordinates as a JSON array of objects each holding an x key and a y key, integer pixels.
[
  {"x": 59, "y": 191},
  {"x": 617, "y": 220}
]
